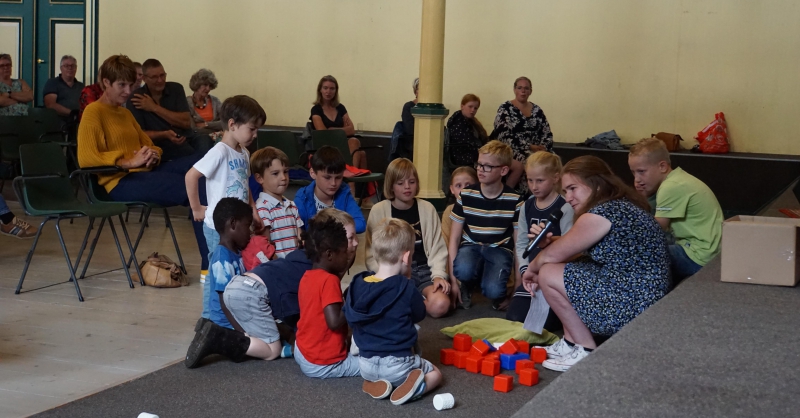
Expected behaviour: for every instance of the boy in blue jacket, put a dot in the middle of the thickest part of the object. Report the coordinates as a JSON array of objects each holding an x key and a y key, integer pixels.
[
  {"x": 382, "y": 308},
  {"x": 327, "y": 190}
]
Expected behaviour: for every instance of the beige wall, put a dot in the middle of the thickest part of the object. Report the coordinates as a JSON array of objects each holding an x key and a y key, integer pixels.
[{"x": 637, "y": 66}]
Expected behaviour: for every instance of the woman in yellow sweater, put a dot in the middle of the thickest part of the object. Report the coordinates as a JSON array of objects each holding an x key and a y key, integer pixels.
[{"x": 109, "y": 136}]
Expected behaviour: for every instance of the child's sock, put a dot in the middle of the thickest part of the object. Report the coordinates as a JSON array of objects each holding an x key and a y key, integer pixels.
[{"x": 286, "y": 350}]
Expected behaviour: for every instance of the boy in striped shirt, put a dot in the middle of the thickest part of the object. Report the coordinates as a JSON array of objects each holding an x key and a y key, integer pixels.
[
  {"x": 481, "y": 248},
  {"x": 270, "y": 167}
]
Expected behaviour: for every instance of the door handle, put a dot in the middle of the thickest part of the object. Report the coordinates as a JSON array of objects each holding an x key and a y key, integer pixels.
[{"x": 40, "y": 61}]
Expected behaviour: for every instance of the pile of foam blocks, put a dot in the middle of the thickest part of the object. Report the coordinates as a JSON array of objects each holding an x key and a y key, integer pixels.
[{"x": 482, "y": 357}]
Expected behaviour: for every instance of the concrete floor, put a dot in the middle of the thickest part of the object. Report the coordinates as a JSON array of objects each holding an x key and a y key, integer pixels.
[{"x": 55, "y": 349}]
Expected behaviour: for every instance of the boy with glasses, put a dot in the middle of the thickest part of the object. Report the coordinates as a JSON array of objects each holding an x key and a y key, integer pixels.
[{"x": 482, "y": 234}]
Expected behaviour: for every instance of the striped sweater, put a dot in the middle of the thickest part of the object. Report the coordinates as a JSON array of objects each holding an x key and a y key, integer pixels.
[{"x": 487, "y": 221}]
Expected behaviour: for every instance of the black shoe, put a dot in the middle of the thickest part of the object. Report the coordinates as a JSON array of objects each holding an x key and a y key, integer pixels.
[
  {"x": 199, "y": 325},
  {"x": 497, "y": 302},
  {"x": 466, "y": 295},
  {"x": 214, "y": 339}
]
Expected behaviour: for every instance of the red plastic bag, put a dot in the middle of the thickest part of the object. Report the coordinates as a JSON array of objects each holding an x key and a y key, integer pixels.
[
  {"x": 713, "y": 138},
  {"x": 258, "y": 251}
]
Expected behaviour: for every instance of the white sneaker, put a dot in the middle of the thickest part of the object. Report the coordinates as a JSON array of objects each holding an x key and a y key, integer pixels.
[
  {"x": 563, "y": 363},
  {"x": 557, "y": 350}
]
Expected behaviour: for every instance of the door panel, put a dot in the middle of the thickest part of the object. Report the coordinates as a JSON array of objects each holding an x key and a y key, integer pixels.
[{"x": 56, "y": 20}]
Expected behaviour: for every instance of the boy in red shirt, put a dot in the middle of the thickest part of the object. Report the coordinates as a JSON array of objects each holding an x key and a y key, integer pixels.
[{"x": 320, "y": 347}]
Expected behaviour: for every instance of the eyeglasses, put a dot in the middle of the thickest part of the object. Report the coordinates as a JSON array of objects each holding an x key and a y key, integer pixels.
[
  {"x": 486, "y": 168},
  {"x": 70, "y": 66}
]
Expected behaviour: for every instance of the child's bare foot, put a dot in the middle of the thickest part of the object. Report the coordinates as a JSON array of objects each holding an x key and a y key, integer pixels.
[{"x": 378, "y": 389}]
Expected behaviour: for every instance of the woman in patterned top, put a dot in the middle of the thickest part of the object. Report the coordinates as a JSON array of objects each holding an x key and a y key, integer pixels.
[
  {"x": 466, "y": 133},
  {"x": 14, "y": 94},
  {"x": 522, "y": 125},
  {"x": 623, "y": 268}
]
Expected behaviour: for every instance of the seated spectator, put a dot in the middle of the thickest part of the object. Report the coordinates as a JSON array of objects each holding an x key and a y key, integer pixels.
[
  {"x": 685, "y": 207},
  {"x": 63, "y": 93},
  {"x": 139, "y": 75},
  {"x": 11, "y": 225},
  {"x": 204, "y": 107},
  {"x": 611, "y": 284},
  {"x": 89, "y": 95},
  {"x": 328, "y": 113},
  {"x": 523, "y": 126},
  {"x": 466, "y": 133},
  {"x": 327, "y": 190},
  {"x": 161, "y": 110},
  {"x": 405, "y": 147},
  {"x": 429, "y": 261},
  {"x": 109, "y": 136},
  {"x": 14, "y": 94}
]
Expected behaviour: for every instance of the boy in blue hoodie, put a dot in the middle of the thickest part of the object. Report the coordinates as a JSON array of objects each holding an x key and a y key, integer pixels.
[
  {"x": 327, "y": 190},
  {"x": 382, "y": 308}
]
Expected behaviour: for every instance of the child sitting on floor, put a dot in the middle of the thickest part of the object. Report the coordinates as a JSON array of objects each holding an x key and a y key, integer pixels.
[
  {"x": 327, "y": 189},
  {"x": 280, "y": 216},
  {"x": 320, "y": 344},
  {"x": 543, "y": 171},
  {"x": 428, "y": 270},
  {"x": 232, "y": 219},
  {"x": 382, "y": 309}
]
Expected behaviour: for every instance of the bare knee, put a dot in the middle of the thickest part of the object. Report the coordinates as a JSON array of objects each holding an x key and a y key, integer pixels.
[
  {"x": 432, "y": 379},
  {"x": 354, "y": 144}
]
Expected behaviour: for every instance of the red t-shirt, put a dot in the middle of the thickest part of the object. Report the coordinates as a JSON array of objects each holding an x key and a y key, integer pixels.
[{"x": 316, "y": 341}]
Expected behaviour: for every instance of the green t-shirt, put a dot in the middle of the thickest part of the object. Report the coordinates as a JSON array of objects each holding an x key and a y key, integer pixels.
[{"x": 694, "y": 213}]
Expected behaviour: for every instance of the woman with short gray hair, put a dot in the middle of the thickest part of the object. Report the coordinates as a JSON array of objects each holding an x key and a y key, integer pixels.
[{"x": 203, "y": 106}]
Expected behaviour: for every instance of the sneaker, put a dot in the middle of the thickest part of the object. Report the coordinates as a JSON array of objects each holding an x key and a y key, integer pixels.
[
  {"x": 378, "y": 389},
  {"x": 18, "y": 228},
  {"x": 420, "y": 391},
  {"x": 286, "y": 350},
  {"x": 214, "y": 339},
  {"x": 199, "y": 325},
  {"x": 203, "y": 274},
  {"x": 557, "y": 350},
  {"x": 408, "y": 388},
  {"x": 563, "y": 363},
  {"x": 466, "y": 296}
]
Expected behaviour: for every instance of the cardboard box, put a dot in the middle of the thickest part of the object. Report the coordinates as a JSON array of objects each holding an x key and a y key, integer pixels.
[{"x": 761, "y": 250}]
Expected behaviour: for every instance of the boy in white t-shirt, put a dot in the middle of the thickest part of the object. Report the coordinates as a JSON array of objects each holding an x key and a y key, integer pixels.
[{"x": 225, "y": 167}]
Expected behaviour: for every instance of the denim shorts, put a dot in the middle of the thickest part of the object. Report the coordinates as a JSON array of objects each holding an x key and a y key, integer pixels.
[
  {"x": 345, "y": 368},
  {"x": 393, "y": 369},
  {"x": 247, "y": 300}
]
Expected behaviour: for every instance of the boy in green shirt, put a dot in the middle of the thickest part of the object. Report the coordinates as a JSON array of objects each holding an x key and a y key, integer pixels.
[{"x": 685, "y": 206}]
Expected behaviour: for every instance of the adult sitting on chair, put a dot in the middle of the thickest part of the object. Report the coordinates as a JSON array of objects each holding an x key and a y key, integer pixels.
[
  {"x": 109, "y": 136},
  {"x": 466, "y": 134},
  {"x": 63, "y": 93},
  {"x": 161, "y": 110},
  {"x": 203, "y": 106},
  {"x": 14, "y": 94},
  {"x": 684, "y": 206},
  {"x": 623, "y": 268},
  {"x": 328, "y": 113}
]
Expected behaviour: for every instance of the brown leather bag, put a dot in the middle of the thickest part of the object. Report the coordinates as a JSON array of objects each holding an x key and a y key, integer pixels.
[
  {"x": 160, "y": 271},
  {"x": 672, "y": 141}
]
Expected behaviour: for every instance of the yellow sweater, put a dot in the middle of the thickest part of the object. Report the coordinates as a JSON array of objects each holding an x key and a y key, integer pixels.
[{"x": 106, "y": 134}]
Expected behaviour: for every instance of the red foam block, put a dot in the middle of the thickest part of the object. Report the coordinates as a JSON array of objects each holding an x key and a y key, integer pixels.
[
  {"x": 528, "y": 377},
  {"x": 523, "y": 364},
  {"x": 461, "y": 359},
  {"x": 479, "y": 349},
  {"x": 462, "y": 342},
  {"x": 503, "y": 383},
  {"x": 490, "y": 367},
  {"x": 473, "y": 364},
  {"x": 509, "y": 347},
  {"x": 523, "y": 346},
  {"x": 447, "y": 356},
  {"x": 538, "y": 355}
]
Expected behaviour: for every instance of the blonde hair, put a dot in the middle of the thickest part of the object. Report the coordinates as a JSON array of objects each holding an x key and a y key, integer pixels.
[
  {"x": 464, "y": 170},
  {"x": 549, "y": 162},
  {"x": 340, "y": 216},
  {"x": 653, "y": 148},
  {"x": 391, "y": 239},
  {"x": 398, "y": 169},
  {"x": 500, "y": 150}
]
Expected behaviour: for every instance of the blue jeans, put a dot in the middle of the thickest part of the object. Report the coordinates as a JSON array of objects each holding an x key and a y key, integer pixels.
[
  {"x": 3, "y": 206},
  {"x": 195, "y": 143},
  {"x": 682, "y": 265},
  {"x": 165, "y": 185},
  {"x": 346, "y": 368},
  {"x": 212, "y": 241},
  {"x": 489, "y": 265}
]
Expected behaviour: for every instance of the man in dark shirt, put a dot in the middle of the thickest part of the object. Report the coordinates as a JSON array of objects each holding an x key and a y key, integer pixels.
[
  {"x": 160, "y": 108},
  {"x": 63, "y": 93}
]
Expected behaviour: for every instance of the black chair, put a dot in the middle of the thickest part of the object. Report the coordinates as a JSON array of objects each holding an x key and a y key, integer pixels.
[{"x": 286, "y": 142}]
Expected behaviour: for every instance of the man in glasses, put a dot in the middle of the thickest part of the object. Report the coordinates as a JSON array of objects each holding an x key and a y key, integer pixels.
[
  {"x": 63, "y": 93},
  {"x": 160, "y": 108}
]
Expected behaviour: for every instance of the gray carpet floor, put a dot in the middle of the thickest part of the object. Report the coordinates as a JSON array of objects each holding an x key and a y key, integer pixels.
[
  {"x": 708, "y": 349},
  {"x": 278, "y": 389}
]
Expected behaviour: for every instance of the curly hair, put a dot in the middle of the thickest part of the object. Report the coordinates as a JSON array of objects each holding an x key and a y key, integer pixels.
[
  {"x": 323, "y": 235},
  {"x": 203, "y": 77}
]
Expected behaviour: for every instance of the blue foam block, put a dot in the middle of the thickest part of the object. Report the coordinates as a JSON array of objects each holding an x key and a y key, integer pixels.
[
  {"x": 491, "y": 347},
  {"x": 509, "y": 361}
]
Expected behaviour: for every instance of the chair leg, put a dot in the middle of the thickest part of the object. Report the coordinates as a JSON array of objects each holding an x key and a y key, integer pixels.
[
  {"x": 91, "y": 249},
  {"x": 127, "y": 212},
  {"x": 146, "y": 212},
  {"x": 141, "y": 215},
  {"x": 30, "y": 256},
  {"x": 174, "y": 240},
  {"x": 133, "y": 252},
  {"x": 69, "y": 260},
  {"x": 83, "y": 244},
  {"x": 119, "y": 250}
]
